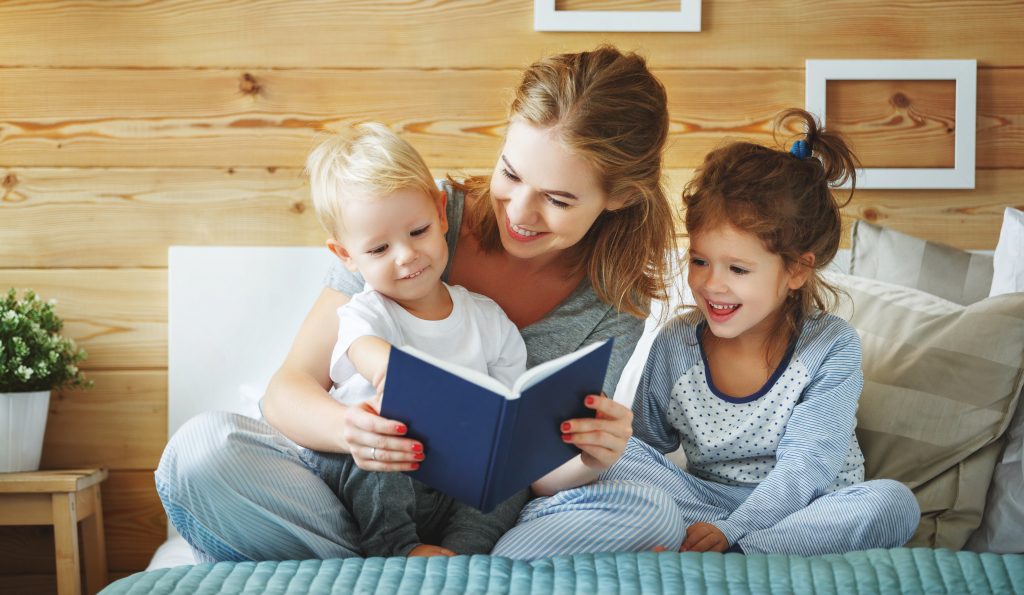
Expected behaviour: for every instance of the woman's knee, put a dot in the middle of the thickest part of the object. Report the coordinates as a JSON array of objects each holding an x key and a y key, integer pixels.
[{"x": 203, "y": 449}]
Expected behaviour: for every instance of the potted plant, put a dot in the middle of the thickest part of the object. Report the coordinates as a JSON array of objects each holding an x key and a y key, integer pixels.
[{"x": 34, "y": 359}]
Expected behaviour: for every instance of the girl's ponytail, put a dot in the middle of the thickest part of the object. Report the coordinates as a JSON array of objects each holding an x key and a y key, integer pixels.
[{"x": 838, "y": 163}]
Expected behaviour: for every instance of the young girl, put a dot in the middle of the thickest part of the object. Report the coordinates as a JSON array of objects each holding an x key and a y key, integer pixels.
[{"x": 758, "y": 384}]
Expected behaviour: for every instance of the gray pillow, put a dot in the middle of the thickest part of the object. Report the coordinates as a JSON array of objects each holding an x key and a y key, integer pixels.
[
  {"x": 941, "y": 382},
  {"x": 894, "y": 257}
]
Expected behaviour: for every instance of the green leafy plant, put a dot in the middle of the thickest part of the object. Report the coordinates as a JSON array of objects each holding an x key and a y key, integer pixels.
[{"x": 34, "y": 356}]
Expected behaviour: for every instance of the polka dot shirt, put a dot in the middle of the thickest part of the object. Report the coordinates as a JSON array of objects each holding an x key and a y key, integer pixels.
[{"x": 734, "y": 440}]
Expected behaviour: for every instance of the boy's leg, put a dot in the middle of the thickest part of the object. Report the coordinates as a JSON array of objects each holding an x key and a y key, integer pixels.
[
  {"x": 881, "y": 513},
  {"x": 469, "y": 531},
  {"x": 642, "y": 502},
  {"x": 383, "y": 505},
  {"x": 236, "y": 489}
]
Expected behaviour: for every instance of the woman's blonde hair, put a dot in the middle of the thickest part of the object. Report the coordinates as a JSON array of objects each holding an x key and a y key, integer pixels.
[
  {"x": 369, "y": 159},
  {"x": 783, "y": 198},
  {"x": 609, "y": 109}
]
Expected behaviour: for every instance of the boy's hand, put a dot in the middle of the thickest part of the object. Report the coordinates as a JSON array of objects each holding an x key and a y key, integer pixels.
[
  {"x": 602, "y": 438},
  {"x": 424, "y": 549},
  {"x": 704, "y": 537}
]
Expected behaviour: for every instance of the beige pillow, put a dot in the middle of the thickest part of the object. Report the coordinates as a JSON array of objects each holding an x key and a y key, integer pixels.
[
  {"x": 941, "y": 382},
  {"x": 894, "y": 257}
]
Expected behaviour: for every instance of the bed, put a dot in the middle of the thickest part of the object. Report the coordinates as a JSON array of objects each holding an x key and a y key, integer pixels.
[
  {"x": 207, "y": 285},
  {"x": 919, "y": 570}
]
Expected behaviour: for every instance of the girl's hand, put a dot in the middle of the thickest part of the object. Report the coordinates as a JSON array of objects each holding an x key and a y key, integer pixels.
[
  {"x": 602, "y": 438},
  {"x": 376, "y": 443},
  {"x": 704, "y": 537}
]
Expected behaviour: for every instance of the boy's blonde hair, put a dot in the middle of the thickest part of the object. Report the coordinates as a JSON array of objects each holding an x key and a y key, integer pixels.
[{"x": 371, "y": 160}]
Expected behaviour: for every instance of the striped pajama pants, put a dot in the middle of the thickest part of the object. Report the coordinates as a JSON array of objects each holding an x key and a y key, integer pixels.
[
  {"x": 645, "y": 501},
  {"x": 236, "y": 489}
]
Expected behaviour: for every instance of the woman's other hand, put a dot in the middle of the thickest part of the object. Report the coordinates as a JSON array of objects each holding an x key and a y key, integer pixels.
[{"x": 602, "y": 439}]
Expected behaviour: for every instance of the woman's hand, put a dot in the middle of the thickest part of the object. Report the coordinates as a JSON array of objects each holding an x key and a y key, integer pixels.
[
  {"x": 376, "y": 443},
  {"x": 704, "y": 537},
  {"x": 602, "y": 439}
]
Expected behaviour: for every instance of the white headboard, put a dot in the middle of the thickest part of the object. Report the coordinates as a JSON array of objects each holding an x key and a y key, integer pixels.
[{"x": 232, "y": 315}]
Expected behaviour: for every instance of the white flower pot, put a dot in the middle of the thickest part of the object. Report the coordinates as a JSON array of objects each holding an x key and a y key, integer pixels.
[{"x": 22, "y": 423}]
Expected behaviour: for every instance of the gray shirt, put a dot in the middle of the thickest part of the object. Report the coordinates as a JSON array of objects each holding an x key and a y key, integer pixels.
[{"x": 579, "y": 320}]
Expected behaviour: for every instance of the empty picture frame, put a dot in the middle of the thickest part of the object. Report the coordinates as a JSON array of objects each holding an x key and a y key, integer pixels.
[
  {"x": 964, "y": 72},
  {"x": 546, "y": 17}
]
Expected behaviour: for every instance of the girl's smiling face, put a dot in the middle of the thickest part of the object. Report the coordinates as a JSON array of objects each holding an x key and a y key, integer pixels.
[
  {"x": 738, "y": 284},
  {"x": 545, "y": 197}
]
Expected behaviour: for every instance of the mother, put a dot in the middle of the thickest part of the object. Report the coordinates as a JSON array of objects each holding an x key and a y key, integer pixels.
[{"x": 568, "y": 235}]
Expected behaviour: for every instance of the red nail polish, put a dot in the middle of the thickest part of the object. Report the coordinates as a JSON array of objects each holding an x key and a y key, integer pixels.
[
  {"x": 419, "y": 456},
  {"x": 400, "y": 428},
  {"x": 414, "y": 466},
  {"x": 566, "y": 438},
  {"x": 417, "y": 447},
  {"x": 565, "y": 427},
  {"x": 589, "y": 400}
]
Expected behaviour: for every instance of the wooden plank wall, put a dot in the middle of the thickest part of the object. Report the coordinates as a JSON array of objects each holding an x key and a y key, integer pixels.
[{"x": 127, "y": 127}]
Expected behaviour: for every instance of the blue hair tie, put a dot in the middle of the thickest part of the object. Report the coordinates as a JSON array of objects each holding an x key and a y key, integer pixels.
[{"x": 800, "y": 149}]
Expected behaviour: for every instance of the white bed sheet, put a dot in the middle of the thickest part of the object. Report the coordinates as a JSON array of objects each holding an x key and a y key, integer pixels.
[{"x": 173, "y": 552}]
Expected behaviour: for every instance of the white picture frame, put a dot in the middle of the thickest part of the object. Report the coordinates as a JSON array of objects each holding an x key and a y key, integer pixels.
[
  {"x": 964, "y": 72},
  {"x": 546, "y": 17}
]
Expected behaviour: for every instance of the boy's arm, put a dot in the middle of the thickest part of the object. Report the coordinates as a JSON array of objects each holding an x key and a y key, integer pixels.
[
  {"x": 297, "y": 403},
  {"x": 510, "y": 361},
  {"x": 369, "y": 356}
]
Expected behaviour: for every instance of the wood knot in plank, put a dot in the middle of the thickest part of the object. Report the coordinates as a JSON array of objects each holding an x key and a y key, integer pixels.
[
  {"x": 871, "y": 215},
  {"x": 10, "y": 181},
  {"x": 249, "y": 85},
  {"x": 900, "y": 100},
  {"x": 297, "y": 206}
]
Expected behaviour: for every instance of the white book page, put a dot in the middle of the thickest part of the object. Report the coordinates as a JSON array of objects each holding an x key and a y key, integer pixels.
[
  {"x": 468, "y": 374},
  {"x": 542, "y": 371}
]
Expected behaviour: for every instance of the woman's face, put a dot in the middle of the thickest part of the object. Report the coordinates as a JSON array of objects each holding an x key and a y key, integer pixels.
[{"x": 545, "y": 197}]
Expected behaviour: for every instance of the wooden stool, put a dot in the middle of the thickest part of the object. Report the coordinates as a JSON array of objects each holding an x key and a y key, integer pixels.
[{"x": 61, "y": 499}]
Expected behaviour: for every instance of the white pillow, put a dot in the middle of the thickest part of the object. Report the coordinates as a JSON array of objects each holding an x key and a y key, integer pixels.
[{"x": 1008, "y": 263}]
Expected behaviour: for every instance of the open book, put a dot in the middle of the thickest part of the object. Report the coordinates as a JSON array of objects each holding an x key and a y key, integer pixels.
[{"x": 484, "y": 441}]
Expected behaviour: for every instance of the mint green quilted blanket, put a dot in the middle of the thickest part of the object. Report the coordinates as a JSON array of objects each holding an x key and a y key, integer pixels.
[{"x": 918, "y": 570}]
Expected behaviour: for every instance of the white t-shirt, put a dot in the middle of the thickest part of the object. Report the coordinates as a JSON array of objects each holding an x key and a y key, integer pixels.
[{"x": 477, "y": 334}]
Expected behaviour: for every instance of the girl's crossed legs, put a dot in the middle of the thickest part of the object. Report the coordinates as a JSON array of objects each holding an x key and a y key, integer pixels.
[{"x": 645, "y": 501}]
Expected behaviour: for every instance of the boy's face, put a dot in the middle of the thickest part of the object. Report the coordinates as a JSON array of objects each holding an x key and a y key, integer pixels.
[{"x": 396, "y": 242}]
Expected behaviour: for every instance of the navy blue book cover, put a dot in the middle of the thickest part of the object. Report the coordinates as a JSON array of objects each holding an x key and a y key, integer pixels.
[{"x": 481, "y": 446}]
